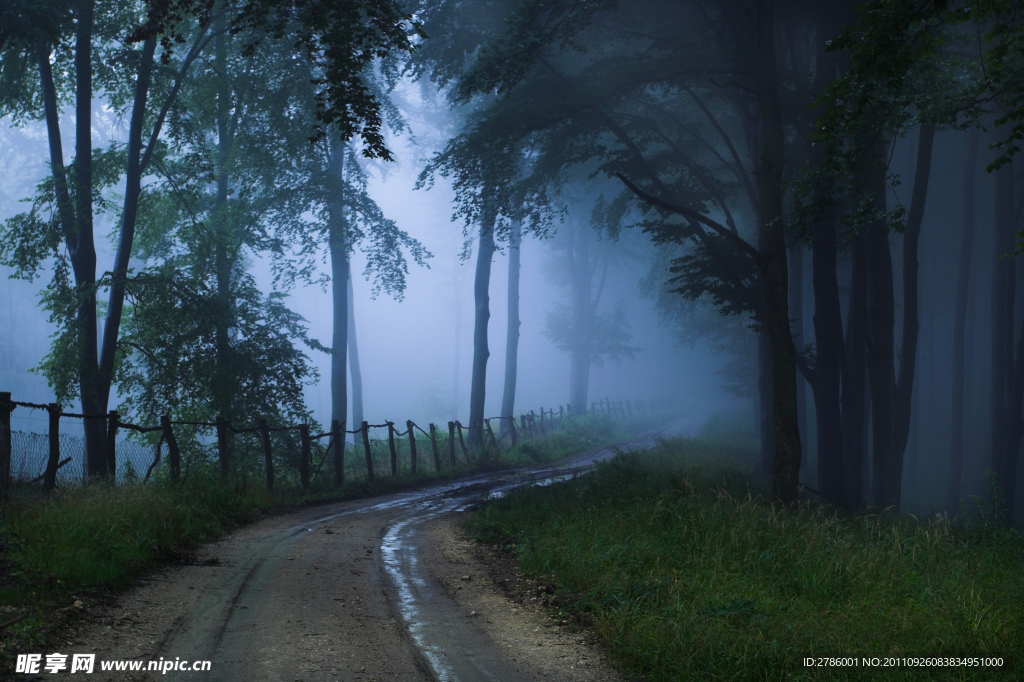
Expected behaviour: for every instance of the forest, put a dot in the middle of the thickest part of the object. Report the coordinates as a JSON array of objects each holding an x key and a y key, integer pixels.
[
  {"x": 824, "y": 197},
  {"x": 797, "y": 222}
]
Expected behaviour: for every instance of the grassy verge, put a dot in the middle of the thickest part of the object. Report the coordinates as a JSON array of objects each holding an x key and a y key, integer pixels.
[
  {"x": 688, "y": 573},
  {"x": 83, "y": 543}
]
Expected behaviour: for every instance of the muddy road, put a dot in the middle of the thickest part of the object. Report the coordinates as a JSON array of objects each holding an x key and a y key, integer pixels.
[{"x": 378, "y": 589}]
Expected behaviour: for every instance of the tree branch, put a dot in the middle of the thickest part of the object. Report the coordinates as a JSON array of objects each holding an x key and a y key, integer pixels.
[
  {"x": 690, "y": 214},
  {"x": 738, "y": 170}
]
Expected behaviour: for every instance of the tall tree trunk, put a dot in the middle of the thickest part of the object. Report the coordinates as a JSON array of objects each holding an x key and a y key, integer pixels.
[
  {"x": 855, "y": 398},
  {"x": 132, "y": 192},
  {"x": 457, "y": 341},
  {"x": 337, "y": 236},
  {"x": 353, "y": 360},
  {"x": 828, "y": 369},
  {"x": 765, "y": 405},
  {"x": 83, "y": 256},
  {"x": 881, "y": 318},
  {"x": 1004, "y": 412},
  {"x": 911, "y": 267},
  {"x": 963, "y": 286},
  {"x": 224, "y": 238},
  {"x": 481, "y": 295},
  {"x": 508, "y": 398},
  {"x": 892, "y": 399},
  {"x": 796, "y": 316},
  {"x": 581, "y": 313},
  {"x": 830, "y": 364},
  {"x": 786, "y": 467}
]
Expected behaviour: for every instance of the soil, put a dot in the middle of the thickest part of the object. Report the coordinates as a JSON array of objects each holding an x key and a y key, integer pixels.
[
  {"x": 306, "y": 597},
  {"x": 512, "y": 609}
]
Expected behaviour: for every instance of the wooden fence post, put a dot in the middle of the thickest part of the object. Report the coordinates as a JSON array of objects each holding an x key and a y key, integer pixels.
[
  {"x": 512, "y": 431},
  {"x": 366, "y": 446},
  {"x": 391, "y": 448},
  {"x": 490, "y": 432},
  {"x": 222, "y": 445},
  {"x": 522, "y": 425},
  {"x": 543, "y": 431},
  {"x": 451, "y": 441},
  {"x": 112, "y": 424},
  {"x": 50, "y": 477},
  {"x": 462, "y": 442},
  {"x": 561, "y": 413},
  {"x": 306, "y": 452},
  {"x": 433, "y": 446},
  {"x": 173, "y": 454},
  {"x": 412, "y": 446},
  {"x": 5, "y": 444},
  {"x": 338, "y": 436}
]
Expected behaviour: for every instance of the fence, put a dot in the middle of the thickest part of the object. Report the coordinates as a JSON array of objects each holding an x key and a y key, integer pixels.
[{"x": 298, "y": 455}]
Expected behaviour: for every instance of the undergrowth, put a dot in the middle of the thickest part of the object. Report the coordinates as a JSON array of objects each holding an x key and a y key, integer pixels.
[{"x": 688, "y": 572}]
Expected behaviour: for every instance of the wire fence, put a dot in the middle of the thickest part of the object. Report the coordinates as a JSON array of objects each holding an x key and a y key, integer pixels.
[
  {"x": 289, "y": 455},
  {"x": 30, "y": 453}
]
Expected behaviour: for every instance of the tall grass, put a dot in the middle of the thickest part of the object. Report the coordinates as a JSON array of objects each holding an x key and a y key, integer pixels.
[
  {"x": 689, "y": 573},
  {"x": 103, "y": 536}
]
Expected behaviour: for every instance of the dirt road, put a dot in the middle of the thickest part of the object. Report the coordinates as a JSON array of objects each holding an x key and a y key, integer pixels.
[{"x": 380, "y": 589}]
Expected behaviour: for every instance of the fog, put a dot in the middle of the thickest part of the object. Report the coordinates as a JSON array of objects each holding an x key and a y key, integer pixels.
[
  {"x": 722, "y": 210},
  {"x": 416, "y": 355}
]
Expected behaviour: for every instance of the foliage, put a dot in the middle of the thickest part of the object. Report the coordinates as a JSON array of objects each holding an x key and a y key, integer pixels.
[
  {"x": 592, "y": 92},
  {"x": 955, "y": 64},
  {"x": 339, "y": 41},
  {"x": 606, "y": 335},
  {"x": 170, "y": 331}
]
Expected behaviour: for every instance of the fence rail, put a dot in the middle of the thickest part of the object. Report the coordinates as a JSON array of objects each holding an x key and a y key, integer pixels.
[{"x": 35, "y": 458}]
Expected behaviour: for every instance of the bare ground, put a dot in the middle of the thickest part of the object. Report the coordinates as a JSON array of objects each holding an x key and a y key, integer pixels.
[{"x": 298, "y": 597}]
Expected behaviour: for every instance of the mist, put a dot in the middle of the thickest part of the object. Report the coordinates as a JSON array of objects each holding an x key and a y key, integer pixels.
[{"x": 868, "y": 334}]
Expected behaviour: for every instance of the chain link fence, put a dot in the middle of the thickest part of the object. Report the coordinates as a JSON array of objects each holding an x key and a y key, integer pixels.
[{"x": 30, "y": 452}]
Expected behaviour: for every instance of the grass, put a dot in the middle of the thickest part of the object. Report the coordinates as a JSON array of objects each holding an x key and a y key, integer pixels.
[
  {"x": 687, "y": 572},
  {"x": 83, "y": 542}
]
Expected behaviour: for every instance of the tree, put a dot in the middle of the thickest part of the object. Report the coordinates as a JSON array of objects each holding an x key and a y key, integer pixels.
[
  {"x": 599, "y": 98},
  {"x": 61, "y": 222},
  {"x": 483, "y": 175},
  {"x": 914, "y": 63},
  {"x": 577, "y": 328},
  {"x": 342, "y": 40},
  {"x": 960, "y": 328},
  {"x": 508, "y": 396}
]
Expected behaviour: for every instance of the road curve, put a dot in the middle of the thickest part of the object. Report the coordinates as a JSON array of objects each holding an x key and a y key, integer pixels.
[{"x": 339, "y": 592}]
